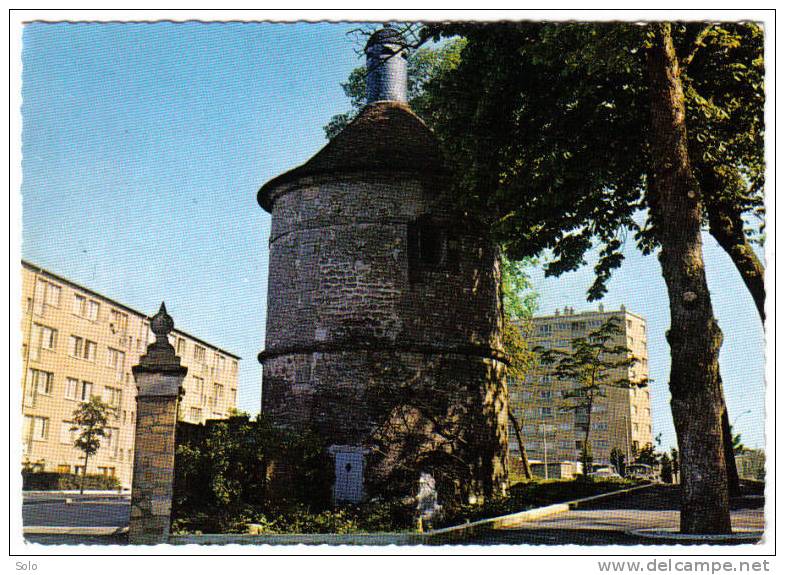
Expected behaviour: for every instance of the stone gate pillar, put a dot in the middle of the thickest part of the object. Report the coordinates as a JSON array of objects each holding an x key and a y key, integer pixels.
[{"x": 159, "y": 377}]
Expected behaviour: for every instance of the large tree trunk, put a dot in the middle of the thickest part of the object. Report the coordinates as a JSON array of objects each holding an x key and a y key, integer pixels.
[
  {"x": 694, "y": 336},
  {"x": 527, "y": 470},
  {"x": 734, "y": 487},
  {"x": 726, "y": 225}
]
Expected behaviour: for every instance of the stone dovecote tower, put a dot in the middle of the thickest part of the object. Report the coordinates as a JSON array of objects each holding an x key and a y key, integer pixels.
[{"x": 384, "y": 306}]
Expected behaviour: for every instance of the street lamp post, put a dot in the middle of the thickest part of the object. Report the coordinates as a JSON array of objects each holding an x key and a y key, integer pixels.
[{"x": 735, "y": 419}]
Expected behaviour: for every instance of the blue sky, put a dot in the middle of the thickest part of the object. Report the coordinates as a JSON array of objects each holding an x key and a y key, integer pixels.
[{"x": 144, "y": 146}]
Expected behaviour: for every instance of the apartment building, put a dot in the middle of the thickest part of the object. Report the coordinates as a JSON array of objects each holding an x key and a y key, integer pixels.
[
  {"x": 620, "y": 417},
  {"x": 76, "y": 344}
]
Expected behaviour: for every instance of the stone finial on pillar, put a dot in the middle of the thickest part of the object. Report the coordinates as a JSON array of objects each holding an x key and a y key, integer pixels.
[{"x": 159, "y": 377}]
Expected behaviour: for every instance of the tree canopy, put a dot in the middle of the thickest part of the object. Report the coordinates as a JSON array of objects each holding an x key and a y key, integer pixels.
[
  {"x": 90, "y": 421},
  {"x": 558, "y": 163},
  {"x": 548, "y": 125}
]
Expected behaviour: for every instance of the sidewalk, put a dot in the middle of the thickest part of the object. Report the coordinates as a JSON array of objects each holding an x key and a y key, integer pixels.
[{"x": 612, "y": 521}]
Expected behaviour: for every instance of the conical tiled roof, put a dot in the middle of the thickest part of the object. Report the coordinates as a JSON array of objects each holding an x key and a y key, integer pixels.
[{"x": 386, "y": 137}]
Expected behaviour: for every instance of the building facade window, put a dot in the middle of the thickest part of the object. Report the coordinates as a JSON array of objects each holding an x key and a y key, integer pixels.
[
  {"x": 84, "y": 307},
  {"x": 113, "y": 396},
  {"x": 71, "y": 388},
  {"x": 53, "y": 294},
  {"x": 199, "y": 389},
  {"x": 218, "y": 393},
  {"x": 80, "y": 305},
  {"x": 141, "y": 341},
  {"x": 81, "y": 348},
  {"x": 93, "y": 308},
  {"x": 39, "y": 427},
  {"x": 196, "y": 414},
  {"x": 110, "y": 441},
  {"x": 47, "y": 337},
  {"x": 219, "y": 363},
  {"x": 199, "y": 352},
  {"x": 87, "y": 391},
  {"x": 67, "y": 436},
  {"x": 116, "y": 360},
  {"x": 40, "y": 381},
  {"x": 118, "y": 321}
]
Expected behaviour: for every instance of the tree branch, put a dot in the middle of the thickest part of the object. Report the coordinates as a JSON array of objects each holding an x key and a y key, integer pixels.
[{"x": 697, "y": 44}]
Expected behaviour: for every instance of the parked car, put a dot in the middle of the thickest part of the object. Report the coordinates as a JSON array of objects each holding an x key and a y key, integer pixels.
[
  {"x": 605, "y": 472},
  {"x": 641, "y": 471}
]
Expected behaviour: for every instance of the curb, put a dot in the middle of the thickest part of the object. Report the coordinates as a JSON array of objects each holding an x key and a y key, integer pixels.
[
  {"x": 674, "y": 536},
  {"x": 87, "y": 492},
  {"x": 69, "y": 530},
  {"x": 458, "y": 532},
  {"x": 375, "y": 539}
]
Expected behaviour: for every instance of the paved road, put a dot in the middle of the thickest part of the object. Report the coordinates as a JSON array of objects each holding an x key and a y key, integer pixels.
[
  {"x": 607, "y": 522},
  {"x": 81, "y": 511},
  {"x": 88, "y": 510},
  {"x": 604, "y": 522}
]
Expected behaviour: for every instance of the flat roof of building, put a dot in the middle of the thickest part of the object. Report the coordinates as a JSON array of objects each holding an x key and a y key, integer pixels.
[
  {"x": 577, "y": 314},
  {"x": 114, "y": 302}
]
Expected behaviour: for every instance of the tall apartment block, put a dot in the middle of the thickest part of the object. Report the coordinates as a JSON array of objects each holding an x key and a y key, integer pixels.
[
  {"x": 620, "y": 417},
  {"x": 76, "y": 344}
]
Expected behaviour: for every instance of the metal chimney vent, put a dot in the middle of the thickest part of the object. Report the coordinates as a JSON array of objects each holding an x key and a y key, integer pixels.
[{"x": 386, "y": 55}]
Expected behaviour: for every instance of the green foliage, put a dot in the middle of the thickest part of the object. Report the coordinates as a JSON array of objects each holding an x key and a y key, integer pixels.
[
  {"x": 646, "y": 455},
  {"x": 618, "y": 458},
  {"x": 366, "y": 518},
  {"x": 90, "y": 420},
  {"x": 236, "y": 472},
  {"x": 675, "y": 463},
  {"x": 53, "y": 481},
  {"x": 587, "y": 461},
  {"x": 423, "y": 66},
  {"x": 520, "y": 298},
  {"x": 594, "y": 363},
  {"x": 666, "y": 468},
  {"x": 520, "y": 305},
  {"x": 738, "y": 446},
  {"x": 235, "y": 468},
  {"x": 547, "y": 125}
]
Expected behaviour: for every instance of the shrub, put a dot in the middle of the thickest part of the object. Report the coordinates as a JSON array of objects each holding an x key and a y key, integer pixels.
[
  {"x": 365, "y": 518},
  {"x": 54, "y": 481},
  {"x": 228, "y": 473}
]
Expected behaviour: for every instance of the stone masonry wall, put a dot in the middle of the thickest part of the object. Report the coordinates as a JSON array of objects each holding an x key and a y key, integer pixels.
[
  {"x": 358, "y": 310},
  {"x": 153, "y": 468},
  {"x": 340, "y": 271}
]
